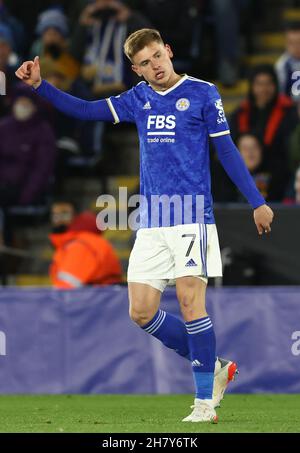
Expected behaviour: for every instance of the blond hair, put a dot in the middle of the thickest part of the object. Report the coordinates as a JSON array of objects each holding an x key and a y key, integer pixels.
[{"x": 140, "y": 39}]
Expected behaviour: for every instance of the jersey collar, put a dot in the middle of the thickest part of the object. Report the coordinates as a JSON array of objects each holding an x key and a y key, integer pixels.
[{"x": 180, "y": 81}]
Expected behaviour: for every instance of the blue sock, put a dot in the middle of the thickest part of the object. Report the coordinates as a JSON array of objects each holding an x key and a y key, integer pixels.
[
  {"x": 202, "y": 344},
  {"x": 170, "y": 331}
]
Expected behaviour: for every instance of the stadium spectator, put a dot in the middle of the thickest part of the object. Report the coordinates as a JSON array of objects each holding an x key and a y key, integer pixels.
[
  {"x": 27, "y": 12},
  {"x": 271, "y": 117},
  {"x": 289, "y": 62},
  {"x": 15, "y": 26},
  {"x": 7, "y": 67},
  {"x": 295, "y": 197},
  {"x": 251, "y": 150},
  {"x": 294, "y": 147},
  {"x": 82, "y": 256},
  {"x": 27, "y": 152},
  {"x": 52, "y": 45},
  {"x": 98, "y": 44}
]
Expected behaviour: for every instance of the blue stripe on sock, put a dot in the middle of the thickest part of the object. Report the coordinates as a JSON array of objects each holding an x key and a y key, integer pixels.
[
  {"x": 199, "y": 325},
  {"x": 204, "y": 329},
  {"x": 153, "y": 321},
  {"x": 158, "y": 324}
]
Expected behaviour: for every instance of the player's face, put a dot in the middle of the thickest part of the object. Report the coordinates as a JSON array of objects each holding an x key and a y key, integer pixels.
[{"x": 154, "y": 63}]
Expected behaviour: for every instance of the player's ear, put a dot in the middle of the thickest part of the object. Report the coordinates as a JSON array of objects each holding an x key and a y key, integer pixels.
[
  {"x": 136, "y": 70},
  {"x": 169, "y": 50}
]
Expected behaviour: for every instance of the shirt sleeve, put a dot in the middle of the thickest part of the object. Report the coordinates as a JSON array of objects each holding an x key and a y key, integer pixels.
[
  {"x": 122, "y": 107},
  {"x": 214, "y": 114},
  {"x": 236, "y": 169},
  {"x": 73, "y": 106}
]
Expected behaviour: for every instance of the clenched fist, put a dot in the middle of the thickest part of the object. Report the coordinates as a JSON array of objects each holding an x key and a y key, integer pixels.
[{"x": 30, "y": 73}]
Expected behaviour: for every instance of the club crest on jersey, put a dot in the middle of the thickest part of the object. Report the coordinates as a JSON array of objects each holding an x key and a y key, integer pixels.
[
  {"x": 221, "y": 113},
  {"x": 182, "y": 104}
]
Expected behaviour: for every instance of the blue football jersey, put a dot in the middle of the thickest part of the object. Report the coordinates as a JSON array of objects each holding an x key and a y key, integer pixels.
[{"x": 174, "y": 128}]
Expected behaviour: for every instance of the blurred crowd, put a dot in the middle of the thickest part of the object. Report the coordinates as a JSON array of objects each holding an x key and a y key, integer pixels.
[
  {"x": 80, "y": 47},
  {"x": 80, "y": 44}
]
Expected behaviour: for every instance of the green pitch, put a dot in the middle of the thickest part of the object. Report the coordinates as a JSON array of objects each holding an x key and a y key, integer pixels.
[{"x": 146, "y": 414}]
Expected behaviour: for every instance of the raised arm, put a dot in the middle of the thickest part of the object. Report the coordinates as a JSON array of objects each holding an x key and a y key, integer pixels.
[
  {"x": 236, "y": 169},
  {"x": 30, "y": 73}
]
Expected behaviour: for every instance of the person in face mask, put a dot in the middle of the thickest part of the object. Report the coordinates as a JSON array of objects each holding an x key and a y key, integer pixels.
[
  {"x": 62, "y": 215},
  {"x": 27, "y": 152},
  {"x": 7, "y": 68},
  {"x": 23, "y": 109},
  {"x": 52, "y": 43},
  {"x": 82, "y": 256}
]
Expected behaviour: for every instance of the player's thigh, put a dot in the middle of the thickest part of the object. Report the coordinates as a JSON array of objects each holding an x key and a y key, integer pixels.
[
  {"x": 191, "y": 294},
  {"x": 144, "y": 301},
  {"x": 150, "y": 258}
]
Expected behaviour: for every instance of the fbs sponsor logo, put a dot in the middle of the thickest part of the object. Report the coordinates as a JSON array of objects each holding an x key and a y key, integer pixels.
[
  {"x": 160, "y": 122},
  {"x": 160, "y": 128},
  {"x": 2, "y": 343}
]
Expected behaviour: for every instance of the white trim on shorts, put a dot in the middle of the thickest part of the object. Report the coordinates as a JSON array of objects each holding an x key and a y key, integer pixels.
[{"x": 162, "y": 284}]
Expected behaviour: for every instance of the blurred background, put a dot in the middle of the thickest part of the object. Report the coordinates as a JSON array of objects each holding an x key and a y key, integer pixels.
[
  {"x": 53, "y": 168},
  {"x": 249, "y": 49}
]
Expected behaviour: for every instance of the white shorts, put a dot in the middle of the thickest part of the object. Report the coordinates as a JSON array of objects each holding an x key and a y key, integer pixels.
[{"x": 160, "y": 255}]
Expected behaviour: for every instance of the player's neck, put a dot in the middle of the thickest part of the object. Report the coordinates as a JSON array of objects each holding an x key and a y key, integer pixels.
[{"x": 174, "y": 78}]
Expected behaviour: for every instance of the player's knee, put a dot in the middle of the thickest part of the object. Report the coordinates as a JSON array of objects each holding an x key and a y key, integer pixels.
[
  {"x": 186, "y": 304},
  {"x": 140, "y": 317},
  {"x": 190, "y": 306},
  {"x": 186, "y": 300}
]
